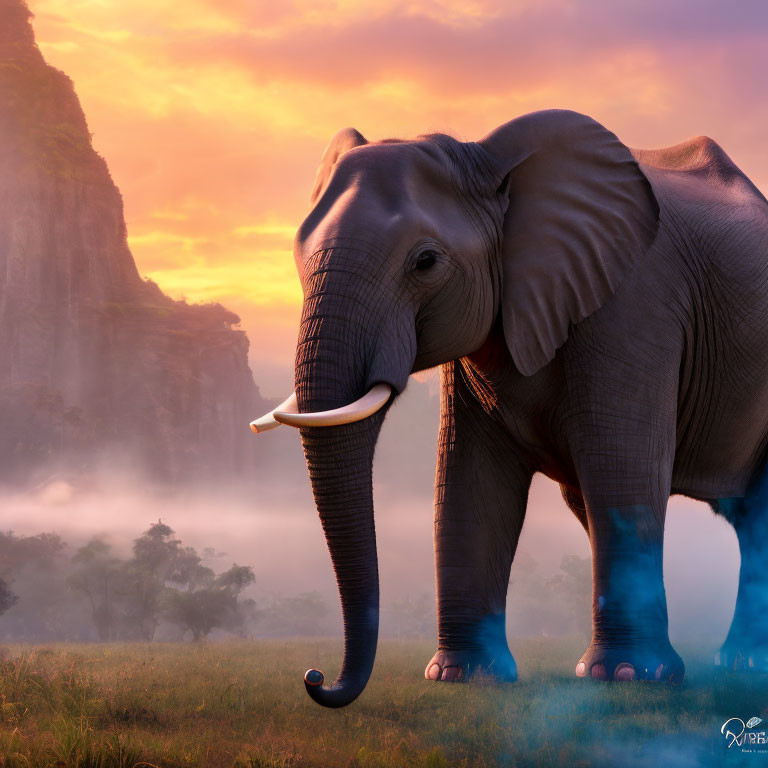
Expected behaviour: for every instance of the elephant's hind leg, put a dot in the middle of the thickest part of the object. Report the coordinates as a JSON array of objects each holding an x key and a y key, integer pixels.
[
  {"x": 629, "y": 610},
  {"x": 625, "y": 478},
  {"x": 746, "y": 646},
  {"x": 620, "y": 425}
]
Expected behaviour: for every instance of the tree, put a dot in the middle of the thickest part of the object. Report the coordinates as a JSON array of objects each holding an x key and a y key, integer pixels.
[
  {"x": 304, "y": 614},
  {"x": 7, "y": 598},
  {"x": 212, "y": 603},
  {"x": 32, "y": 570},
  {"x": 187, "y": 570},
  {"x": 98, "y": 576},
  {"x": 154, "y": 562},
  {"x": 16, "y": 552}
]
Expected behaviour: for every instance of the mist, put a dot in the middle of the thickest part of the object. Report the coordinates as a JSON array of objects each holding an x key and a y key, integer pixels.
[{"x": 267, "y": 521}]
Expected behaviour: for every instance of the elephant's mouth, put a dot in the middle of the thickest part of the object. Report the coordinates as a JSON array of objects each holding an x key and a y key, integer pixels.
[{"x": 288, "y": 413}]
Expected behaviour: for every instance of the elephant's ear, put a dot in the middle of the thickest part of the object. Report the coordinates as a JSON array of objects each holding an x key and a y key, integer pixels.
[
  {"x": 580, "y": 213},
  {"x": 345, "y": 139}
]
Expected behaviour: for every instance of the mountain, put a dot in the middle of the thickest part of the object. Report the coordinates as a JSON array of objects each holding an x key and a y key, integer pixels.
[{"x": 97, "y": 365}]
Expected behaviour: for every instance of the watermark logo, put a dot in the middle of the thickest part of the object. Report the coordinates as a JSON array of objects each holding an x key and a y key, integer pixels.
[{"x": 743, "y": 735}]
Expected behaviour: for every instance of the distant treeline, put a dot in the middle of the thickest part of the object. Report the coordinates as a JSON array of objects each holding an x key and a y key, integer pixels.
[
  {"x": 47, "y": 594},
  {"x": 164, "y": 590}
]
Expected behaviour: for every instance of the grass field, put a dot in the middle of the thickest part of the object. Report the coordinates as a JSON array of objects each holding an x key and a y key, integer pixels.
[{"x": 243, "y": 705}]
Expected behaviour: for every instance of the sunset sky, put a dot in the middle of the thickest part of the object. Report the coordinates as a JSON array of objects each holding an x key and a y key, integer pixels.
[{"x": 212, "y": 115}]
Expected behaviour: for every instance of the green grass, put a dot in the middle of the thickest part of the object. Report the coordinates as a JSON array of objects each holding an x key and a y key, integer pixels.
[{"x": 243, "y": 705}]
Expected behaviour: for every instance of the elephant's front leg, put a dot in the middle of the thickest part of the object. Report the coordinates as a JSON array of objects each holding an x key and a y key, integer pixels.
[
  {"x": 629, "y": 608},
  {"x": 480, "y": 496}
]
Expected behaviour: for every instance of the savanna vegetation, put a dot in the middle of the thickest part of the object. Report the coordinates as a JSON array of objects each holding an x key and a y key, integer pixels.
[{"x": 241, "y": 704}]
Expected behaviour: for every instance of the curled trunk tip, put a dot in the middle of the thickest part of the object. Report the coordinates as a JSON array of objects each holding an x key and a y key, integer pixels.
[{"x": 334, "y": 696}]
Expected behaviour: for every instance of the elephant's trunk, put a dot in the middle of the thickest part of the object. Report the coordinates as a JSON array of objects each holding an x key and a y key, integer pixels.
[
  {"x": 340, "y": 461},
  {"x": 333, "y": 369}
]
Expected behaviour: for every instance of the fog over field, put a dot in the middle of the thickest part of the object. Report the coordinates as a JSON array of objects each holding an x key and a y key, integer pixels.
[{"x": 268, "y": 521}]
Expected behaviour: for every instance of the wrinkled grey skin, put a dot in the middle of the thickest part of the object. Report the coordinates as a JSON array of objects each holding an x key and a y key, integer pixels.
[{"x": 599, "y": 315}]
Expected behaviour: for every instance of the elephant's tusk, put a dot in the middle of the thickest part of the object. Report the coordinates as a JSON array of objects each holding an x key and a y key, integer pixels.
[
  {"x": 368, "y": 404},
  {"x": 267, "y": 421}
]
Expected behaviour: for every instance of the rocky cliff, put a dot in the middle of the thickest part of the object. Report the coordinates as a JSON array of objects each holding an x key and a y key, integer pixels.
[{"x": 96, "y": 364}]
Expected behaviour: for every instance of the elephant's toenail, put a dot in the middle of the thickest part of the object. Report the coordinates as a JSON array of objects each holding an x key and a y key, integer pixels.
[
  {"x": 451, "y": 673},
  {"x": 624, "y": 672},
  {"x": 659, "y": 670},
  {"x": 598, "y": 671},
  {"x": 433, "y": 673},
  {"x": 581, "y": 669}
]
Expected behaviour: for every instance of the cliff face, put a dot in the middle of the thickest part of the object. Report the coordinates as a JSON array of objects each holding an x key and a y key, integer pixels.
[{"x": 94, "y": 361}]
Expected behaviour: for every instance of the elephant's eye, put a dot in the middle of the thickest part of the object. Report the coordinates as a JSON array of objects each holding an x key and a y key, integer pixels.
[{"x": 425, "y": 260}]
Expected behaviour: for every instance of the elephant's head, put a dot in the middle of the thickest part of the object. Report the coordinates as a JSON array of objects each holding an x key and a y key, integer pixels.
[{"x": 410, "y": 252}]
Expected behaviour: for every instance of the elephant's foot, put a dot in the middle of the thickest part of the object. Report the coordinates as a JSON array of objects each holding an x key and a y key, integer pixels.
[
  {"x": 649, "y": 661},
  {"x": 743, "y": 657},
  {"x": 459, "y": 666}
]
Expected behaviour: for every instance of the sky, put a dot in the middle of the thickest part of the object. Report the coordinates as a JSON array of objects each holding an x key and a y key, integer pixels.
[{"x": 213, "y": 114}]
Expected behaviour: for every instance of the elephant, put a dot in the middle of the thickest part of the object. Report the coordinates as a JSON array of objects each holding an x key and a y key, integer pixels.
[{"x": 598, "y": 314}]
